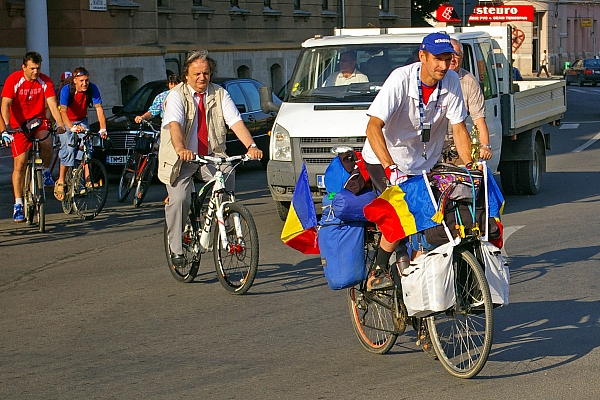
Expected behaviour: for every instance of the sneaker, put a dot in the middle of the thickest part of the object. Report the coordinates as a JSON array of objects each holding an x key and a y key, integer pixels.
[
  {"x": 18, "y": 214},
  {"x": 48, "y": 181},
  {"x": 379, "y": 282},
  {"x": 177, "y": 260}
]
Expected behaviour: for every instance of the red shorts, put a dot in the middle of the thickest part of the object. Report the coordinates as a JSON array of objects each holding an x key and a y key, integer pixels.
[{"x": 22, "y": 144}]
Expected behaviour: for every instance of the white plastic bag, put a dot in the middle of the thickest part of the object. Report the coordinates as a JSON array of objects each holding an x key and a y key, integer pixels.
[
  {"x": 428, "y": 284},
  {"x": 496, "y": 273}
]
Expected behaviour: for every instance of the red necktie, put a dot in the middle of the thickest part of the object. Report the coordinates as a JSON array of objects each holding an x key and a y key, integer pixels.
[{"x": 202, "y": 128}]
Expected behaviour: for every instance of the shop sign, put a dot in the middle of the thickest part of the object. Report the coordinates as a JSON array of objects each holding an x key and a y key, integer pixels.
[
  {"x": 489, "y": 14},
  {"x": 586, "y": 22}
]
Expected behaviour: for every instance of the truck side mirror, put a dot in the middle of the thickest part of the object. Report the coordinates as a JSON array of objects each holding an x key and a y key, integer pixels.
[{"x": 266, "y": 100}]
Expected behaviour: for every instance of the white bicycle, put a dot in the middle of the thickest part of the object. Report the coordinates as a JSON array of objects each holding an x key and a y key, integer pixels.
[{"x": 229, "y": 224}]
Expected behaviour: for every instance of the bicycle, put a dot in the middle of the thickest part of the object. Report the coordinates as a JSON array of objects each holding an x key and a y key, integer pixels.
[
  {"x": 461, "y": 336},
  {"x": 234, "y": 241},
  {"x": 140, "y": 165},
  {"x": 86, "y": 188},
  {"x": 34, "y": 196}
]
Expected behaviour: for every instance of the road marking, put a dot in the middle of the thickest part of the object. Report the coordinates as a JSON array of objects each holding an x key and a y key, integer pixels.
[
  {"x": 569, "y": 126},
  {"x": 587, "y": 144},
  {"x": 591, "y": 91},
  {"x": 509, "y": 230}
]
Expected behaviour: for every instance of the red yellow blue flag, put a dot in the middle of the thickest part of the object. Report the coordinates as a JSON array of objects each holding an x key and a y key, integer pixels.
[
  {"x": 299, "y": 231},
  {"x": 402, "y": 210}
]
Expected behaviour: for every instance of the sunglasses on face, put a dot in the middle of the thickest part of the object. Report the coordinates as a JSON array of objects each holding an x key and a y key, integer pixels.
[{"x": 81, "y": 73}]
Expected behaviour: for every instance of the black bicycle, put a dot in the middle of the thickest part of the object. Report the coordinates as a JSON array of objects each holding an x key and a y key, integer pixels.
[
  {"x": 140, "y": 166},
  {"x": 86, "y": 187},
  {"x": 461, "y": 336},
  {"x": 34, "y": 196}
]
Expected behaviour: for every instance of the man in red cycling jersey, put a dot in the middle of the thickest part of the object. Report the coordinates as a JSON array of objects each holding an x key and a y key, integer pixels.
[{"x": 24, "y": 96}]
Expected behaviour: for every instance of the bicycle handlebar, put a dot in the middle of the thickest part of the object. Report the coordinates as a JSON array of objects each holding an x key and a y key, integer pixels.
[
  {"x": 219, "y": 160},
  {"x": 149, "y": 125}
]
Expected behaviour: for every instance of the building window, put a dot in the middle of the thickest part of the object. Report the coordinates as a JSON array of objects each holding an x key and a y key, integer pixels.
[
  {"x": 296, "y": 4},
  {"x": 325, "y": 5},
  {"x": 129, "y": 85},
  {"x": 234, "y": 3},
  {"x": 276, "y": 77},
  {"x": 159, "y": 3},
  {"x": 384, "y": 5},
  {"x": 196, "y": 3},
  {"x": 243, "y": 72}
]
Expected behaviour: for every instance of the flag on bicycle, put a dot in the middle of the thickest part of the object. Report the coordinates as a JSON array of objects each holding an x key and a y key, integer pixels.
[
  {"x": 402, "y": 210},
  {"x": 299, "y": 231},
  {"x": 495, "y": 203}
]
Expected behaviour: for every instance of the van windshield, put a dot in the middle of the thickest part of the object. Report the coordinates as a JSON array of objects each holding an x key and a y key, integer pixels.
[{"x": 346, "y": 74}]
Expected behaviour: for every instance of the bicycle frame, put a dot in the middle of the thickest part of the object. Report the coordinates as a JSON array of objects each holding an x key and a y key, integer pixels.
[{"x": 216, "y": 207}]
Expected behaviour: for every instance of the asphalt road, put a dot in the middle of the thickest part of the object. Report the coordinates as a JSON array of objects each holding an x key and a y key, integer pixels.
[{"x": 89, "y": 309}]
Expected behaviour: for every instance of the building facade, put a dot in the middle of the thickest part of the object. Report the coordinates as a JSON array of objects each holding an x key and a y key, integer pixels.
[{"x": 125, "y": 44}]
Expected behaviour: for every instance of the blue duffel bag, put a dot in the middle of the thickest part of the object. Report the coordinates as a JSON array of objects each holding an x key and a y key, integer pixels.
[
  {"x": 342, "y": 251},
  {"x": 348, "y": 206}
]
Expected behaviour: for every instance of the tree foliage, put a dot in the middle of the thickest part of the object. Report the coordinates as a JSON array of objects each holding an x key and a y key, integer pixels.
[{"x": 423, "y": 10}]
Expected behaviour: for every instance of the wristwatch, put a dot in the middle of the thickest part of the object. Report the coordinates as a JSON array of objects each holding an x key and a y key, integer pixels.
[
  {"x": 487, "y": 146},
  {"x": 253, "y": 145}
]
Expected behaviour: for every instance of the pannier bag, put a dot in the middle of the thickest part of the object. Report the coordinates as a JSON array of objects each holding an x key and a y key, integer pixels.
[
  {"x": 428, "y": 283},
  {"x": 459, "y": 205},
  {"x": 496, "y": 273},
  {"x": 342, "y": 250}
]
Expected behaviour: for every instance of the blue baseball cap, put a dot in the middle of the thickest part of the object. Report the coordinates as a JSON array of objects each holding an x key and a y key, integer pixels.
[{"x": 437, "y": 43}]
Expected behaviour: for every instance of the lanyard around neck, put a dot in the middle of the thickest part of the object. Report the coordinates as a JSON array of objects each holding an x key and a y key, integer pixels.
[{"x": 421, "y": 105}]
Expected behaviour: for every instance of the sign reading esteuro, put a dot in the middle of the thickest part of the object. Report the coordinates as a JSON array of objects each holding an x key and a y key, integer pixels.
[
  {"x": 489, "y": 14},
  {"x": 97, "y": 5}
]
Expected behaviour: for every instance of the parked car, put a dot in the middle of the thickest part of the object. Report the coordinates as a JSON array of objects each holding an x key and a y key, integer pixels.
[
  {"x": 122, "y": 128},
  {"x": 583, "y": 71}
]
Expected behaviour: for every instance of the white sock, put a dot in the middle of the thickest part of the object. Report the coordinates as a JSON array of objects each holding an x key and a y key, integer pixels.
[{"x": 19, "y": 201}]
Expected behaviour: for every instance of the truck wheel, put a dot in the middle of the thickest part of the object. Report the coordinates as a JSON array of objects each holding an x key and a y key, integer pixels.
[
  {"x": 530, "y": 172},
  {"x": 509, "y": 177},
  {"x": 282, "y": 209}
]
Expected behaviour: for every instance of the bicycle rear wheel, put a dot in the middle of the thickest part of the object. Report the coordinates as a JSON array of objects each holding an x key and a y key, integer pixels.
[
  {"x": 372, "y": 313},
  {"x": 91, "y": 189},
  {"x": 127, "y": 178},
  {"x": 462, "y": 336},
  {"x": 145, "y": 180},
  {"x": 191, "y": 252},
  {"x": 237, "y": 265}
]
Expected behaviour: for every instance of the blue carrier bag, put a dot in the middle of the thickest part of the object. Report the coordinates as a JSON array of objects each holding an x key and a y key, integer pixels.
[
  {"x": 342, "y": 250},
  {"x": 348, "y": 206}
]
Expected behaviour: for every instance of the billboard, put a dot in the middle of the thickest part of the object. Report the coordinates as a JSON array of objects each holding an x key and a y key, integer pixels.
[{"x": 489, "y": 14}]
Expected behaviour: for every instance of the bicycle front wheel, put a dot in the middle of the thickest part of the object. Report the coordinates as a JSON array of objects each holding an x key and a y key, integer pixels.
[
  {"x": 145, "y": 180},
  {"x": 127, "y": 178},
  {"x": 237, "y": 263},
  {"x": 90, "y": 189},
  {"x": 28, "y": 206},
  {"x": 40, "y": 200},
  {"x": 67, "y": 202},
  {"x": 191, "y": 252},
  {"x": 462, "y": 336}
]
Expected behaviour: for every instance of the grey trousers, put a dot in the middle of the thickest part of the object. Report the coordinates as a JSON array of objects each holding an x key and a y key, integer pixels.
[{"x": 178, "y": 208}]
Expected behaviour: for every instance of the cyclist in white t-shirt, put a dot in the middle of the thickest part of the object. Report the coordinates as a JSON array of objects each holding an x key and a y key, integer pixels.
[{"x": 408, "y": 122}]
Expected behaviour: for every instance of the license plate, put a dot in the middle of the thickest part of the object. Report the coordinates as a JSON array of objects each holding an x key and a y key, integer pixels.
[
  {"x": 321, "y": 181},
  {"x": 597, "y": 72},
  {"x": 116, "y": 160}
]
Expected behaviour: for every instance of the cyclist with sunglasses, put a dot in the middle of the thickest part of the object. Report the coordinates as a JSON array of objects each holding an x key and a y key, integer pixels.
[
  {"x": 24, "y": 97},
  {"x": 75, "y": 99}
]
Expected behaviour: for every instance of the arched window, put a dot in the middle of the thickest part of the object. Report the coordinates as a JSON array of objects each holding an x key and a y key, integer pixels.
[
  {"x": 243, "y": 72},
  {"x": 276, "y": 77},
  {"x": 129, "y": 85}
]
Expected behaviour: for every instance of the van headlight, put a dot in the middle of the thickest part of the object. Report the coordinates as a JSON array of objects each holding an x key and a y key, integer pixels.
[{"x": 281, "y": 145}]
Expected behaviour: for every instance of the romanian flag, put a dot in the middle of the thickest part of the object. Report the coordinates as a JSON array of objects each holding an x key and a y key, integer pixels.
[
  {"x": 402, "y": 210},
  {"x": 299, "y": 231},
  {"x": 495, "y": 203}
]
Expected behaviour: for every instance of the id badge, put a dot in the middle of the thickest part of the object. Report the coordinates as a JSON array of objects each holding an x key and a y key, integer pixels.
[{"x": 426, "y": 132}]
